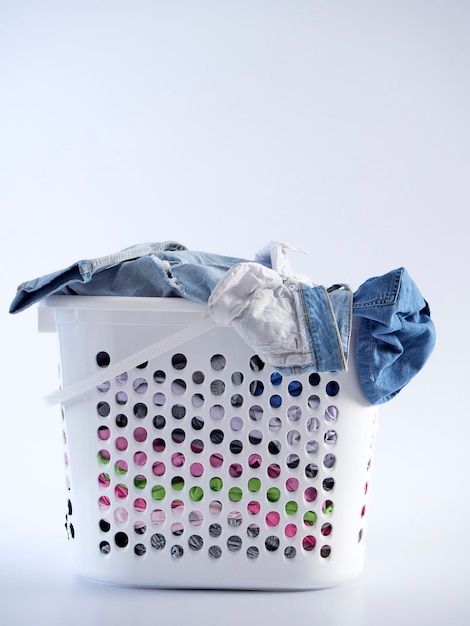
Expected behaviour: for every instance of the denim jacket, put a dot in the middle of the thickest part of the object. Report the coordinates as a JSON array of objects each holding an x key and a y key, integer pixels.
[{"x": 294, "y": 325}]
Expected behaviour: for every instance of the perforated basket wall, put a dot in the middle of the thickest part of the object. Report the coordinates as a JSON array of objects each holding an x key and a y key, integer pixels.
[{"x": 202, "y": 467}]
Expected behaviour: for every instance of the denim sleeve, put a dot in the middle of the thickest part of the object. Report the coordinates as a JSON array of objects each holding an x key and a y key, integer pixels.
[{"x": 396, "y": 334}]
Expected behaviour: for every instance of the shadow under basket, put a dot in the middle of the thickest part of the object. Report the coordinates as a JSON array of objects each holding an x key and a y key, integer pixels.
[{"x": 190, "y": 463}]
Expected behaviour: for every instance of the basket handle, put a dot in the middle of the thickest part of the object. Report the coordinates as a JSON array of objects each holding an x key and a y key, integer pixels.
[{"x": 74, "y": 390}]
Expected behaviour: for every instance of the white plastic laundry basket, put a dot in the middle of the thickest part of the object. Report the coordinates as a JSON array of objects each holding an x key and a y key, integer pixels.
[{"x": 191, "y": 464}]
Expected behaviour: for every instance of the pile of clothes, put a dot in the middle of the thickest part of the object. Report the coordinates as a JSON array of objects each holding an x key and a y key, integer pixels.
[{"x": 293, "y": 324}]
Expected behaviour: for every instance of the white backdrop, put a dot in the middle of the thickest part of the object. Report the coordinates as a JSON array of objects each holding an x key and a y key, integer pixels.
[{"x": 340, "y": 127}]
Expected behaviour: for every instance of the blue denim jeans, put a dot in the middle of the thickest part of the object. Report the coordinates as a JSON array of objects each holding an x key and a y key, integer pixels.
[{"x": 294, "y": 325}]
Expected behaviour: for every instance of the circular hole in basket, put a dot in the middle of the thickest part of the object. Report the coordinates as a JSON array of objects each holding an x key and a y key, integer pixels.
[
  {"x": 332, "y": 388},
  {"x": 159, "y": 399},
  {"x": 234, "y": 519},
  {"x": 294, "y": 388},
  {"x": 121, "y": 467},
  {"x": 272, "y": 519},
  {"x": 197, "y": 446},
  {"x": 313, "y": 402},
  {"x": 234, "y": 543},
  {"x": 105, "y": 547},
  {"x": 197, "y": 400},
  {"x": 104, "y": 433},
  {"x": 179, "y": 361},
  {"x": 178, "y": 387},
  {"x": 236, "y": 446},
  {"x": 328, "y": 483},
  {"x": 121, "y": 444},
  {"x": 158, "y": 517},
  {"x": 197, "y": 422},
  {"x": 274, "y": 470},
  {"x": 215, "y": 508},
  {"x": 104, "y": 457},
  {"x": 104, "y": 503},
  {"x": 310, "y": 494},
  {"x": 140, "y": 410},
  {"x": 329, "y": 460},
  {"x": 236, "y": 423},
  {"x": 158, "y": 444},
  {"x": 272, "y": 543},
  {"x": 236, "y": 400},
  {"x": 103, "y": 409},
  {"x": 140, "y": 385},
  {"x": 253, "y": 507},
  {"x": 235, "y": 494},
  {"x": 252, "y": 531},
  {"x": 309, "y": 518},
  {"x": 104, "y": 387},
  {"x": 275, "y": 401},
  {"x": 177, "y": 506},
  {"x": 140, "y": 482},
  {"x": 235, "y": 470},
  {"x": 104, "y": 525},
  {"x": 178, "y": 435},
  {"x": 215, "y": 530},
  {"x": 177, "y": 551},
  {"x": 140, "y": 434},
  {"x": 195, "y": 542},
  {"x": 140, "y": 528},
  {"x": 294, "y": 413},
  {"x": 216, "y": 436},
  {"x": 293, "y": 437},
  {"x": 158, "y": 492},
  {"x": 308, "y": 543},
  {"x": 195, "y": 518},
  {"x": 290, "y": 530},
  {"x": 275, "y": 424},
  {"x": 254, "y": 461},
  {"x": 311, "y": 470},
  {"x": 217, "y": 387},
  {"x": 256, "y": 364},
  {"x": 140, "y": 505},
  {"x": 292, "y": 484},
  {"x": 158, "y": 468},
  {"x": 255, "y": 412},
  {"x": 216, "y": 460},
  {"x": 159, "y": 422},
  {"x": 196, "y": 493},
  {"x": 218, "y": 362},
  {"x": 256, "y": 388},
  {"x": 121, "y": 515},
  {"x": 237, "y": 378},
  {"x": 314, "y": 379},
  {"x": 326, "y": 529},
  {"x": 325, "y": 551},
  {"x": 159, "y": 376},
  {"x": 157, "y": 541},
  {"x": 215, "y": 552},
  {"x": 121, "y": 491},
  {"x": 103, "y": 359},
  {"x": 177, "y": 482},
  {"x": 217, "y": 411},
  {"x": 327, "y": 507},
  {"x": 276, "y": 379},
  {"x": 139, "y": 549},
  {"x": 104, "y": 480},
  {"x": 255, "y": 437},
  {"x": 121, "y": 398},
  {"x": 121, "y": 539},
  {"x": 254, "y": 484},
  {"x": 312, "y": 447},
  {"x": 291, "y": 507},
  {"x": 178, "y": 411},
  {"x": 140, "y": 458},
  {"x": 331, "y": 413},
  {"x": 121, "y": 420},
  {"x": 330, "y": 437},
  {"x": 196, "y": 469},
  {"x": 313, "y": 424},
  {"x": 274, "y": 447},
  {"x": 273, "y": 494},
  {"x": 198, "y": 377},
  {"x": 293, "y": 461}
]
